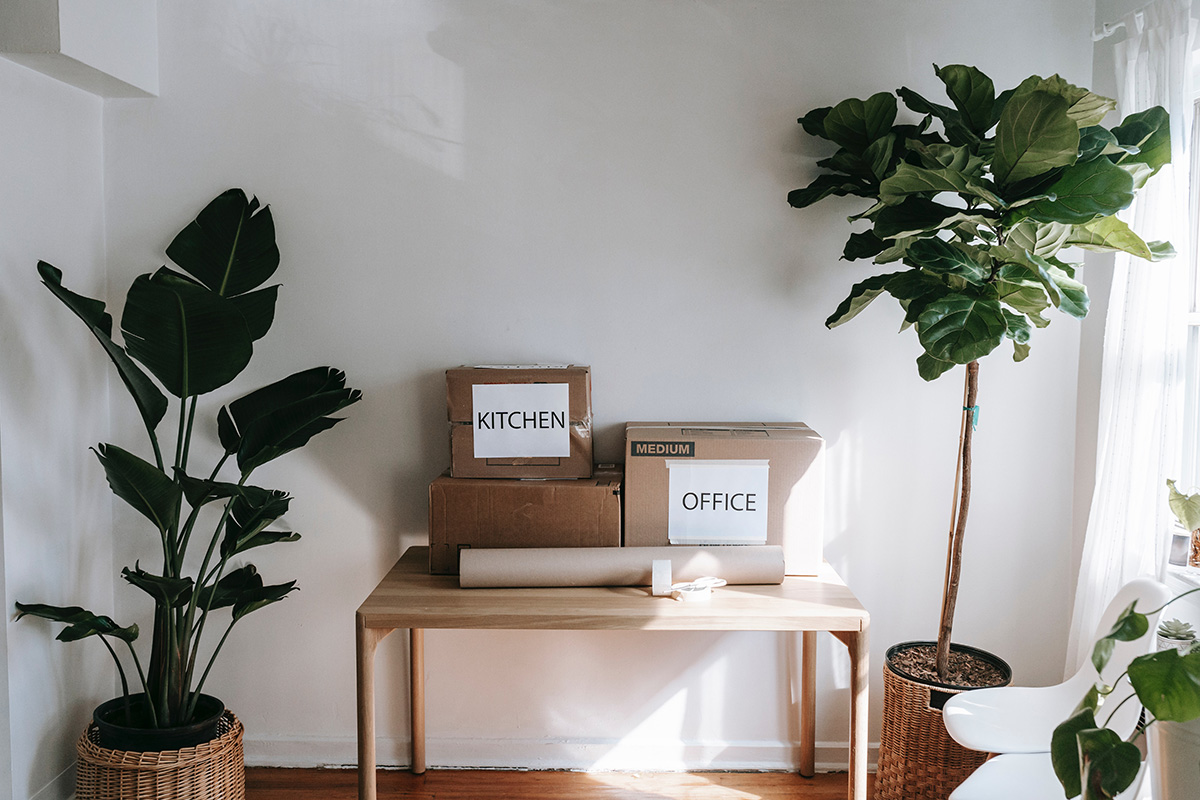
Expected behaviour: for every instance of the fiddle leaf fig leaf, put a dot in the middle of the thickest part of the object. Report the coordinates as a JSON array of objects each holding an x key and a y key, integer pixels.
[
  {"x": 1084, "y": 192},
  {"x": 824, "y": 186},
  {"x": 1149, "y": 133},
  {"x": 942, "y": 257},
  {"x": 909, "y": 179},
  {"x": 151, "y": 403},
  {"x": 1043, "y": 239},
  {"x": 972, "y": 93},
  {"x": 855, "y": 124},
  {"x": 960, "y": 328},
  {"x": 146, "y": 488},
  {"x": 81, "y": 623},
  {"x": 1168, "y": 684},
  {"x": 1109, "y": 234},
  {"x": 863, "y": 245},
  {"x": 230, "y": 246},
  {"x": 930, "y": 368},
  {"x": 861, "y": 295},
  {"x": 1034, "y": 135},
  {"x": 1017, "y": 328},
  {"x": 814, "y": 122},
  {"x": 957, "y": 130},
  {"x": 1096, "y": 141},
  {"x": 1186, "y": 508}
]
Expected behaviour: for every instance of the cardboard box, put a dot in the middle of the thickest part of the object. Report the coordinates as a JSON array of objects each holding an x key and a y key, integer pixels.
[
  {"x": 727, "y": 483},
  {"x": 468, "y": 512},
  {"x": 520, "y": 422}
]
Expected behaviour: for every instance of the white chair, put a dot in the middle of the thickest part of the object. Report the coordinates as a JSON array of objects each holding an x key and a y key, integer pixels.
[
  {"x": 1023, "y": 776},
  {"x": 1018, "y": 719}
]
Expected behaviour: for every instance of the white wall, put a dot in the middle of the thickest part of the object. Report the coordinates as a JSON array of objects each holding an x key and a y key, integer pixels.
[
  {"x": 602, "y": 183},
  {"x": 56, "y": 520}
]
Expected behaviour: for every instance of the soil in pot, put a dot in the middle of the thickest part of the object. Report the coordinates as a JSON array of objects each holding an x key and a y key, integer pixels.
[
  {"x": 121, "y": 731},
  {"x": 968, "y": 668}
]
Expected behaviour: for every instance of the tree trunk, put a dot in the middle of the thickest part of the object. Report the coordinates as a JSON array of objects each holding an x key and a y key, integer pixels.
[{"x": 958, "y": 520}]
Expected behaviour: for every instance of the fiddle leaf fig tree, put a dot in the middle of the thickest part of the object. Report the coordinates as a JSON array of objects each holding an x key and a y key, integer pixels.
[
  {"x": 971, "y": 210},
  {"x": 190, "y": 333}
]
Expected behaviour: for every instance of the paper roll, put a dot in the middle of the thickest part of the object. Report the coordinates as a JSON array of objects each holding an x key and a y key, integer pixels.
[{"x": 481, "y": 568}]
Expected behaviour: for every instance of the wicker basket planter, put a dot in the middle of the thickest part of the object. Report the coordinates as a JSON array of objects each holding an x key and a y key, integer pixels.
[
  {"x": 917, "y": 758},
  {"x": 214, "y": 770}
]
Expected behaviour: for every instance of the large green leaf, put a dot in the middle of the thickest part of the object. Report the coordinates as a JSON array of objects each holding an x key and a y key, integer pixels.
[
  {"x": 915, "y": 289},
  {"x": 1034, "y": 135},
  {"x": 1084, "y": 107},
  {"x": 1021, "y": 289},
  {"x": 863, "y": 245},
  {"x": 861, "y": 295},
  {"x": 957, "y": 130},
  {"x": 972, "y": 93},
  {"x": 1185, "y": 507},
  {"x": 1064, "y": 750},
  {"x": 230, "y": 246},
  {"x": 283, "y": 416},
  {"x": 824, "y": 186},
  {"x": 258, "y": 309},
  {"x": 81, "y": 623},
  {"x": 1130, "y": 626},
  {"x": 944, "y": 258},
  {"x": 1084, "y": 192},
  {"x": 908, "y": 180},
  {"x": 930, "y": 368},
  {"x": 1067, "y": 293},
  {"x": 1096, "y": 141},
  {"x": 960, "y": 328},
  {"x": 1168, "y": 684},
  {"x": 1017, "y": 327},
  {"x": 855, "y": 124},
  {"x": 1109, "y": 234},
  {"x": 254, "y": 599},
  {"x": 190, "y": 338},
  {"x": 167, "y": 592},
  {"x": 814, "y": 121},
  {"x": 249, "y": 515},
  {"x": 1150, "y": 133},
  {"x": 151, "y": 403},
  {"x": 146, "y": 488},
  {"x": 1109, "y": 763},
  {"x": 1040, "y": 238},
  {"x": 919, "y": 216},
  {"x": 242, "y": 589}
]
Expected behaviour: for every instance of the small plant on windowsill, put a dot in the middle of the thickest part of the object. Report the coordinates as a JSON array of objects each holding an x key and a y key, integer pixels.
[{"x": 194, "y": 331}]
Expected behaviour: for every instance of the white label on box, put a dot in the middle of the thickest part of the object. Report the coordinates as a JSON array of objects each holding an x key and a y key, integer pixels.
[
  {"x": 521, "y": 420},
  {"x": 718, "y": 501}
]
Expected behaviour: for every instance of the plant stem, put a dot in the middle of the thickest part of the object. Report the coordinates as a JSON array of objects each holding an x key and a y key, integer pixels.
[
  {"x": 145, "y": 687},
  {"x": 958, "y": 524},
  {"x": 212, "y": 660},
  {"x": 187, "y": 439},
  {"x": 121, "y": 672}
]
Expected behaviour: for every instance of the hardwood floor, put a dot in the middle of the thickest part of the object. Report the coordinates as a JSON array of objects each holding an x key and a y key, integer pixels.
[{"x": 342, "y": 784}]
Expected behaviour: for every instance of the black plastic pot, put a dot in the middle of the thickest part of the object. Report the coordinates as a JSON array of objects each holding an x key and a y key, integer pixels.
[
  {"x": 941, "y": 692},
  {"x": 121, "y": 732}
]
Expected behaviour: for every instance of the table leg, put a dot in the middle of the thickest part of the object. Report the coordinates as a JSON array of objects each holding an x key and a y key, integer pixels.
[
  {"x": 858, "y": 643},
  {"x": 808, "y": 703},
  {"x": 365, "y": 642},
  {"x": 416, "y": 651}
]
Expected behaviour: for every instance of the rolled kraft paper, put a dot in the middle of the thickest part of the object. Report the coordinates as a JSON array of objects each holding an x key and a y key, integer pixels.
[{"x": 481, "y": 568}]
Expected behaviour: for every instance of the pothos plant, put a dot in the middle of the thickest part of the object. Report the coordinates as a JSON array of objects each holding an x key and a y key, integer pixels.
[
  {"x": 193, "y": 331},
  {"x": 1093, "y": 761},
  {"x": 971, "y": 207}
]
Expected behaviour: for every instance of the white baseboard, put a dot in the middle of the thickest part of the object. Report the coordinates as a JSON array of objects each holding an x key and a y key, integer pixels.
[{"x": 574, "y": 754}]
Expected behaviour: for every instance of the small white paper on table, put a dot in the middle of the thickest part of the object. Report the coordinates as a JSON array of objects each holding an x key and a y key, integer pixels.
[
  {"x": 718, "y": 501},
  {"x": 521, "y": 420}
]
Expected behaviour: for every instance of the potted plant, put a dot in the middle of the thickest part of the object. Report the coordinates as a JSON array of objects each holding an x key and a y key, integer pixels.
[
  {"x": 1092, "y": 760},
  {"x": 970, "y": 207},
  {"x": 1176, "y": 634},
  {"x": 1186, "y": 508},
  {"x": 191, "y": 332}
]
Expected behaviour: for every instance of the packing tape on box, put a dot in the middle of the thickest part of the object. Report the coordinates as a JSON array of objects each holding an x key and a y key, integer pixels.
[{"x": 481, "y": 568}]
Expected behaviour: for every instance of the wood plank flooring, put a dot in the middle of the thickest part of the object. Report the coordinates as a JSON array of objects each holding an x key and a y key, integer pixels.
[{"x": 264, "y": 783}]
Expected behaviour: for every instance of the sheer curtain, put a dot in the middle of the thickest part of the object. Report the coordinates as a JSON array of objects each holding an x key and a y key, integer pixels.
[{"x": 1141, "y": 385}]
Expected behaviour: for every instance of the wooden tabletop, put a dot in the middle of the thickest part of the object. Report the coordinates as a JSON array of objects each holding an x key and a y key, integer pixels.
[{"x": 409, "y": 597}]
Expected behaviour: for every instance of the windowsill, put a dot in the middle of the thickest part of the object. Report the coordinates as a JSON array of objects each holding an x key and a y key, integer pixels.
[{"x": 1188, "y": 575}]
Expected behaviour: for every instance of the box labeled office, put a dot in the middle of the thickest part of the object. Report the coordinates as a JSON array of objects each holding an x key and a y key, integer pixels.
[
  {"x": 471, "y": 512},
  {"x": 520, "y": 421},
  {"x": 727, "y": 484}
]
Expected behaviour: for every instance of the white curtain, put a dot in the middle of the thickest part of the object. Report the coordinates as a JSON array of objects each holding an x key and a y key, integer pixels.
[{"x": 1141, "y": 391}]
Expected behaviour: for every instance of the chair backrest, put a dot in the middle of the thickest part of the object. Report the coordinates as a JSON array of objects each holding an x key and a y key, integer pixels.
[{"x": 1150, "y": 595}]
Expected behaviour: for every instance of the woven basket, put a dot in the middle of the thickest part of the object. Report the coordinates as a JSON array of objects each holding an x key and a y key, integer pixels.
[
  {"x": 917, "y": 758},
  {"x": 214, "y": 770}
]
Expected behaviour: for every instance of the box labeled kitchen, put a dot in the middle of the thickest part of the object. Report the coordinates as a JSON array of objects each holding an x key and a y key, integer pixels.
[
  {"x": 727, "y": 483},
  {"x": 520, "y": 421},
  {"x": 478, "y": 512}
]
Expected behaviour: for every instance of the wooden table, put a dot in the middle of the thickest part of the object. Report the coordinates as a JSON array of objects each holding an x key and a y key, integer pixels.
[{"x": 409, "y": 597}]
